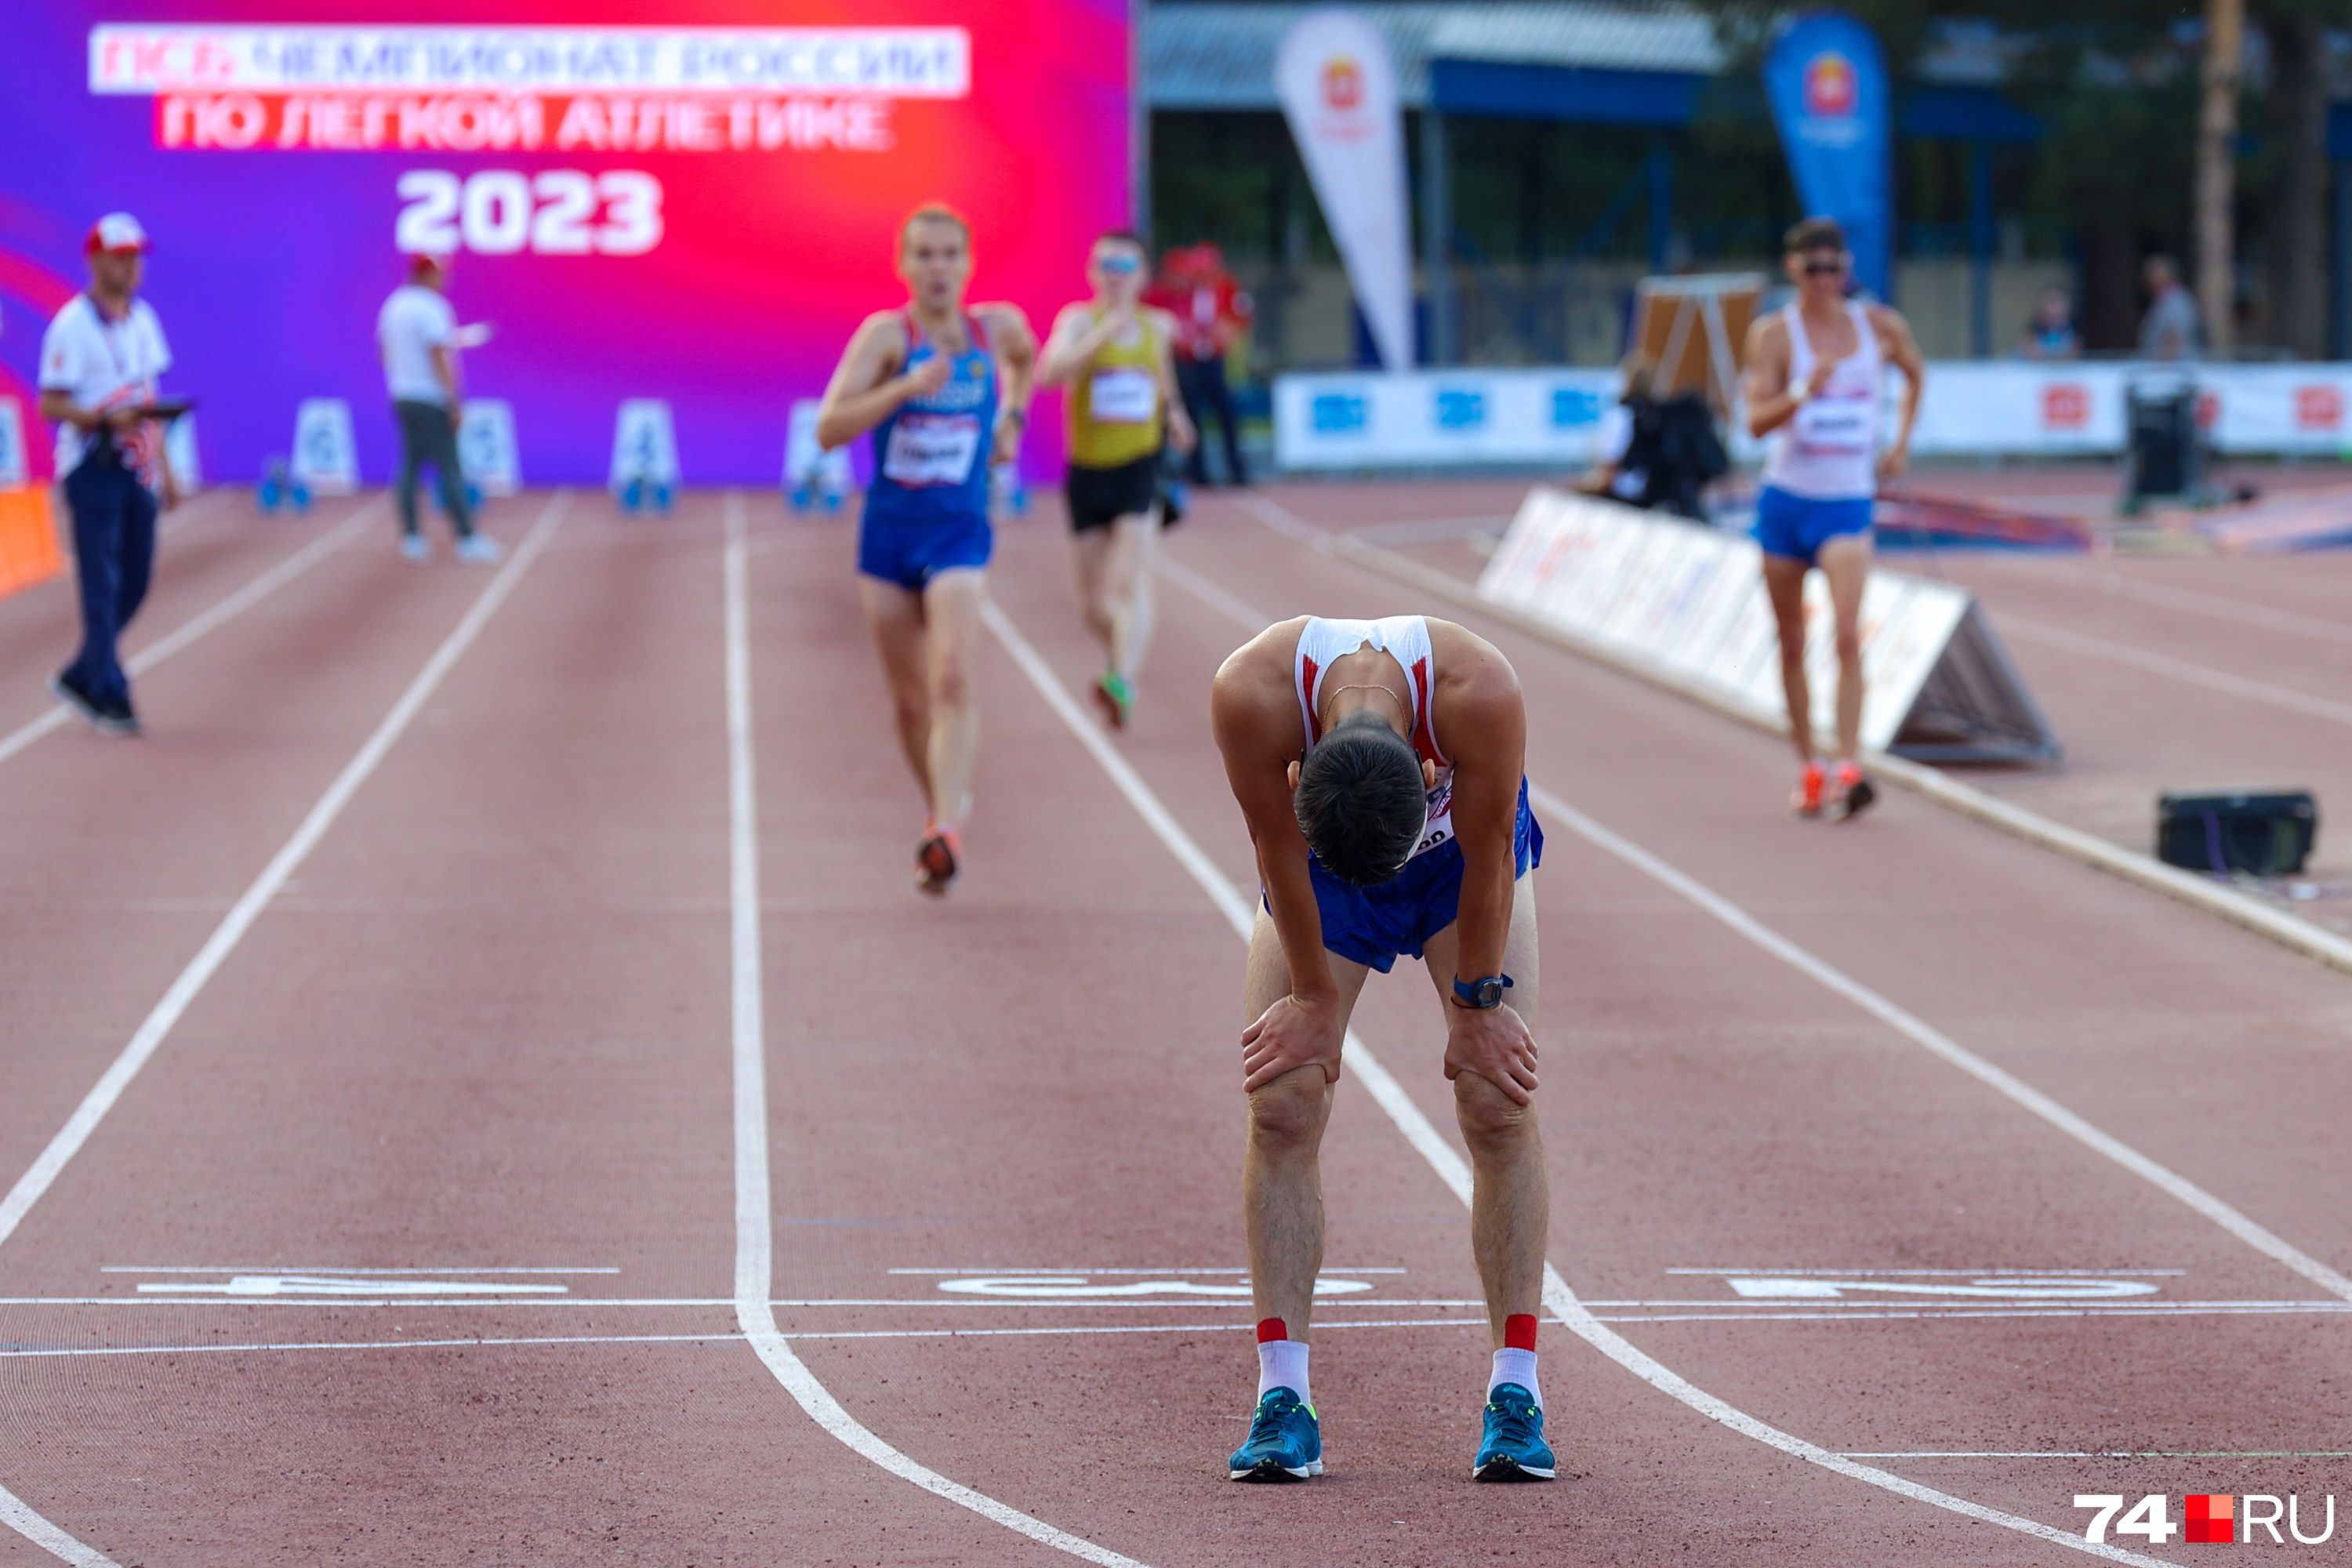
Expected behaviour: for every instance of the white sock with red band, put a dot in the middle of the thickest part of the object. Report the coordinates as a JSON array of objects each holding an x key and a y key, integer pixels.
[
  {"x": 1282, "y": 1362},
  {"x": 1515, "y": 1361}
]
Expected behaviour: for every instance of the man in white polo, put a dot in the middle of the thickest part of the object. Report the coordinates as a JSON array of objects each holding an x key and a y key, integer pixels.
[
  {"x": 417, "y": 332},
  {"x": 99, "y": 362}
]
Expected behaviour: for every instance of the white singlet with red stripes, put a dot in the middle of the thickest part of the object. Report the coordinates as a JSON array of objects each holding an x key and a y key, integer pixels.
[
  {"x": 1404, "y": 638},
  {"x": 1829, "y": 450}
]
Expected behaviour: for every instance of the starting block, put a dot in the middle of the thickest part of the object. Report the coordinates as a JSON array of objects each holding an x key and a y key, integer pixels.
[
  {"x": 281, "y": 491},
  {"x": 14, "y": 471},
  {"x": 485, "y": 448},
  {"x": 812, "y": 475},
  {"x": 326, "y": 455},
  {"x": 644, "y": 455}
]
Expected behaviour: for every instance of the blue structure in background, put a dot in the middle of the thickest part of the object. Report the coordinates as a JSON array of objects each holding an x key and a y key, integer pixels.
[{"x": 1826, "y": 82}]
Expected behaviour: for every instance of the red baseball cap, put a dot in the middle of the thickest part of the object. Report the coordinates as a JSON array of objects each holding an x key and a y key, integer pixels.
[{"x": 116, "y": 231}]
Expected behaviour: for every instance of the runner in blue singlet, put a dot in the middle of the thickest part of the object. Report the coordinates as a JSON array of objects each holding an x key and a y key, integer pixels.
[{"x": 945, "y": 389}]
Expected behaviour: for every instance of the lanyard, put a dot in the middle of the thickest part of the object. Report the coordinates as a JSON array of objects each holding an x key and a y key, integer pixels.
[{"x": 108, "y": 334}]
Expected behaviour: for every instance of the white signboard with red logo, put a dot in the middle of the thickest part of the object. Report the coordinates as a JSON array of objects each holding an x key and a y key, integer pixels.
[
  {"x": 2070, "y": 408},
  {"x": 1687, "y": 603},
  {"x": 1338, "y": 91},
  {"x": 14, "y": 471}
]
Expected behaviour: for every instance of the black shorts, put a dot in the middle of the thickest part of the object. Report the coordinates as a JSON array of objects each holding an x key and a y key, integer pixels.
[{"x": 1100, "y": 497}]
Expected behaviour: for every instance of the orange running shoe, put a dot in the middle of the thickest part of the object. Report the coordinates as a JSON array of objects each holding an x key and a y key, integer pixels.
[
  {"x": 1850, "y": 791},
  {"x": 937, "y": 859},
  {"x": 1807, "y": 800}
]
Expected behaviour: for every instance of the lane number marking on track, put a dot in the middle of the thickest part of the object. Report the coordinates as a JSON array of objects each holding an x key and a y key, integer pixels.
[
  {"x": 346, "y": 1285},
  {"x": 1818, "y": 1289},
  {"x": 1075, "y": 1288}
]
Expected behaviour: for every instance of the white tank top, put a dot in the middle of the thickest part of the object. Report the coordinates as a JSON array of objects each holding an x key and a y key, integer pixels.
[
  {"x": 1829, "y": 448},
  {"x": 1404, "y": 638}
]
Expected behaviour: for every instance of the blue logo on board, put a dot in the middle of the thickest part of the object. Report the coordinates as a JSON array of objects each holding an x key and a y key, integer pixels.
[
  {"x": 1574, "y": 406},
  {"x": 1340, "y": 414},
  {"x": 1460, "y": 408}
]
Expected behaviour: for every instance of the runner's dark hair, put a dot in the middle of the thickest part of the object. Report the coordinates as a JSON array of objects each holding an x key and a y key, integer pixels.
[
  {"x": 1814, "y": 234},
  {"x": 1360, "y": 800}
]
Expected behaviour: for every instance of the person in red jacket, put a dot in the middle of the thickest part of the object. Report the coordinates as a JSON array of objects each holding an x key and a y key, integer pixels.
[{"x": 1212, "y": 311}]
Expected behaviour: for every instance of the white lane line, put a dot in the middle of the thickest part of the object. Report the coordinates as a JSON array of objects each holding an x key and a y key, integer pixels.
[
  {"x": 226, "y": 610},
  {"x": 223, "y": 941},
  {"x": 35, "y": 1352},
  {"x": 2108, "y": 1454},
  {"x": 2017, "y": 1090},
  {"x": 754, "y": 1263},
  {"x": 2242, "y": 611},
  {"x": 2179, "y": 669},
  {"x": 274, "y": 876},
  {"x": 17, "y": 1516},
  {"x": 2000, "y": 1081},
  {"x": 531, "y": 1268},
  {"x": 1454, "y": 1171}
]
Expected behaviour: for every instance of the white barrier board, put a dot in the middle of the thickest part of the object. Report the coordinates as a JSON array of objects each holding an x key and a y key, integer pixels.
[
  {"x": 14, "y": 473},
  {"x": 1688, "y": 603},
  {"x": 1430, "y": 419},
  {"x": 486, "y": 446},
  {"x": 645, "y": 444},
  {"x": 325, "y": 456}
]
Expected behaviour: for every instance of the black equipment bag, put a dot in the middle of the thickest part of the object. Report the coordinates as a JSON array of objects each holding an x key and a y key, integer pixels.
[{"x": 2267, "y": 835}]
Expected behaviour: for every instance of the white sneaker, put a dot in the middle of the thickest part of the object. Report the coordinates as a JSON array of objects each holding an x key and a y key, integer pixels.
[
  {"x": 480, "y": 550},
  {"x": 414, "y": 548}
]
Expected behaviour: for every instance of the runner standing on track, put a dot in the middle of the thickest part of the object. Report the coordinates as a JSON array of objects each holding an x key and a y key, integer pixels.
[
  {"x": 945, "y": 389},
  {"x": 1818, "y": 367},
  {"x": 1117, "y": 357},
  {"x": 1375, "y": 837}
]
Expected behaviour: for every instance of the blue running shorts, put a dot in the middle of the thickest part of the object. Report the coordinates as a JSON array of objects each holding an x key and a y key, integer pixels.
[
  {"x": 911, "y": 553},
  {"x": 1798, "y": 526},
  {"x": 1374, "y": 925}
]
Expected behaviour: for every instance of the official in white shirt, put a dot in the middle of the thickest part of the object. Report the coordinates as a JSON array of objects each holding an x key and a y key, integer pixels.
[
  {"x": 99, "y": 362},
  {"x": 417, "y": 332}
]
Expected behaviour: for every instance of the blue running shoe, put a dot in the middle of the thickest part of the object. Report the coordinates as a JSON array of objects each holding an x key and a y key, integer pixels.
[
  {"x": 1513, "y": 1448},
  {"x": 1285, "y": 1442}
]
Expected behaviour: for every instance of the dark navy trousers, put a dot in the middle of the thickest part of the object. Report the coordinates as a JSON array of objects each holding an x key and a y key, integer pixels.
[{"x": 114, "y": 550}]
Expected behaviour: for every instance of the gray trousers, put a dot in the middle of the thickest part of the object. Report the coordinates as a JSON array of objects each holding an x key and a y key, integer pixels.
[{"x": 427, "y": 436}]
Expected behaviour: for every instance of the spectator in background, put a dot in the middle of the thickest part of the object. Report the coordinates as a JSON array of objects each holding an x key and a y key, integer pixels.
[
  {"x": 2170, "y": 330},
  {"x": 416, "y": 333},
  {"x": 1657, "y": 453},
  {"x": 100, "y": 361},
  {"x": 1212, "y": 313},
  {"x": 2049, "y": 330}
]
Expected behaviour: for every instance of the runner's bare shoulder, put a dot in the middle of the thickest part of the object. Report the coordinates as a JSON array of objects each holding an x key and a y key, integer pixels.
[
  {"x": 1003, "y": 316},
  {"x": 1470, "y": 670},
  {"x": 1251, "y": 696}
]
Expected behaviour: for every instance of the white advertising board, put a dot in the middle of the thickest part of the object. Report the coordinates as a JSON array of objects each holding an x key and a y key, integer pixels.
[
  {"x": 1339, "y": 420},
  {"x": 1688, "y": 603},
  {"x": 179, "y": 451},
  {"x": 1414, "y": 418},
  {"x": 1339, "y": 93}
]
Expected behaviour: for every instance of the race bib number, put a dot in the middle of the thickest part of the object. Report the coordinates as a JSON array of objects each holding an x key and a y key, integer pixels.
[
  {"x": 1123, "y": 397},
  {"x": 1439, "y": 824},
  {"x": 1835, "y": 424},
  {"x": 931, "y": 448}
]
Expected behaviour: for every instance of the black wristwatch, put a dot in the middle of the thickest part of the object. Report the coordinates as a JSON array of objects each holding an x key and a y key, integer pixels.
[{"x": 1481, "y": 994}]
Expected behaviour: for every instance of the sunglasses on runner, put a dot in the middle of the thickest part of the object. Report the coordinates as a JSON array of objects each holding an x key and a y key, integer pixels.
[
  {"x": 1823, "y": 269},
  {"x": 1120, "y": 263}
]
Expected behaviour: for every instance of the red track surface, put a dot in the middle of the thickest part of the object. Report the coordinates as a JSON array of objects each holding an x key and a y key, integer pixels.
[{"x": 487, "y": 1028}]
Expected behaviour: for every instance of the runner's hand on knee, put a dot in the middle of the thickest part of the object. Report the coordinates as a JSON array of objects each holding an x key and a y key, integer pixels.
[
  {"x": 1290, "y": 1035},
  {"x": 1494, "y": 1043}
]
